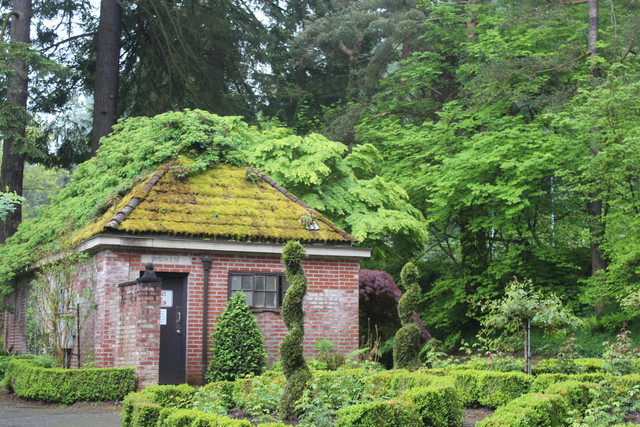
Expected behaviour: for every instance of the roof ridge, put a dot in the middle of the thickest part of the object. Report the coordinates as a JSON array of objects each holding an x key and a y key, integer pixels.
[
  {"x": 315, "y": 213},
  {"x": 117, "y": 220}
]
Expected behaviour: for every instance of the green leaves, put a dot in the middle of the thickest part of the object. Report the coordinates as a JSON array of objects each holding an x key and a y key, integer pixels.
[
  {"x": 522, "y": 303},
  {"x": 237, "y": 347}
]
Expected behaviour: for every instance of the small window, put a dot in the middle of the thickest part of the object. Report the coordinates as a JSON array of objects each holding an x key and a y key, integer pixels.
[{"x": 261, "y": 290}]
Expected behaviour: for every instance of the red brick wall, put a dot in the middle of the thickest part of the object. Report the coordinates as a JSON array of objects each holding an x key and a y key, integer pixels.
[{"x": 331, "y": 304}]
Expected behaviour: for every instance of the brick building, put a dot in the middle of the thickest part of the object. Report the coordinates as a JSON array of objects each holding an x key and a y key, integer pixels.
[{"x": 208, "y": 235}]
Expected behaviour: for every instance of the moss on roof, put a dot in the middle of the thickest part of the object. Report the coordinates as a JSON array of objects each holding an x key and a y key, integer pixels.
[{"x": 222, "y": 202}]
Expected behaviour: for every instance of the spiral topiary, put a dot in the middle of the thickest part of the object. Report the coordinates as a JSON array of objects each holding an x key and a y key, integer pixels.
[
  {"x": 293, "y": 364},
  {"x": 406, "y": 345}
]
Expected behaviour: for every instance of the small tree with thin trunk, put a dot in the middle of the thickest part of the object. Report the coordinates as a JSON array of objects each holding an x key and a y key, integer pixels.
[{"x": 523, "y": 307}]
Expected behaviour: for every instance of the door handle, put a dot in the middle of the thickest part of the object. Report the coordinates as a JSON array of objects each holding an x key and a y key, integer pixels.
[{"x": 178, "y": 319}]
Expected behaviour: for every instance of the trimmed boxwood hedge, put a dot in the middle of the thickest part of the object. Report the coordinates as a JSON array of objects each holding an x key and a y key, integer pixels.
[
  {"x": 490, "y": 388},
  {"x": 164, "y": 405},
  {"x": 68, "y": 385},
  {"x": 392, "y": 413},
  {"x": 438, "y": 404},
  {"x": 530, "y": 410}
]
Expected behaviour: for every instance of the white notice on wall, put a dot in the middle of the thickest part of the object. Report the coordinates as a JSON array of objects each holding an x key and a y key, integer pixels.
[
  {"x": 163, "y": 316},
  {"x": 166, "y": 299}
]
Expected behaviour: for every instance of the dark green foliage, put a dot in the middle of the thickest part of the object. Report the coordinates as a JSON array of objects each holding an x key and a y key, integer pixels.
[
  {"x": 438, "y": 404},
  {"x": 294, "y": 365},
  {"x": 69, "y": 385},
  {"x": 406, "y": 346},
  {"x": 237, "y": 347},
  {"x": 392, "y": 413}
]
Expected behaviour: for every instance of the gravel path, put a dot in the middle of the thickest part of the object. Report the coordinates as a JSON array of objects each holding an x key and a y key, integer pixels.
[{"x": 16, "y": 412}]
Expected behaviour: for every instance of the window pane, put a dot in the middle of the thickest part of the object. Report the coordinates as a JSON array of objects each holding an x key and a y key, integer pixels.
[
  {"x": 285, "y": 284},
  {"x": 246, "y": 282},
  {"x": 271, "y": 283},
  {"x": 260, "y": 283},
  {"x": 248, "y": 296},
  {"x": 236, "y": 283},
  {"x": 259, "y": 299},
  {"x": 270, "y": 300}
]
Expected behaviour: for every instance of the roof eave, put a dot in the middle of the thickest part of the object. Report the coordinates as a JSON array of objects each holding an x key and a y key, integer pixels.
[{"x": 177, "y": 244}]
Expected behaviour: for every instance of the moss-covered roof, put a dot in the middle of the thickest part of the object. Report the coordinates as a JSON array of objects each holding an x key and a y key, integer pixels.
[{"x": 224, "y": 201}]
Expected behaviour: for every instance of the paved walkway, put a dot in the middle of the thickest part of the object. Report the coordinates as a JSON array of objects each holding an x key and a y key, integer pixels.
[{"x": 15, "y": 412}]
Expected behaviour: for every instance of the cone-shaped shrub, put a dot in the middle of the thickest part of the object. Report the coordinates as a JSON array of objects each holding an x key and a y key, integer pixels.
[
  {"x": 294, "y": 366},
  {"x": 406, "y": 345},
  {"x": 237, "y": 348}
]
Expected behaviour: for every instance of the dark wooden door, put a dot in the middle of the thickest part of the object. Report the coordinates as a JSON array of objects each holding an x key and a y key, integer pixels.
[{"x": 173, "y": 328}]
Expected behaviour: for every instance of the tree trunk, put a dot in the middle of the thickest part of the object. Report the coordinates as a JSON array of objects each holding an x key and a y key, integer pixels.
[
  {"x": 594, "y": 205},
  {"x": 105, "y": 95},
  {"x": 12, "y": 169},
  {"x": 526, "y": 325}
]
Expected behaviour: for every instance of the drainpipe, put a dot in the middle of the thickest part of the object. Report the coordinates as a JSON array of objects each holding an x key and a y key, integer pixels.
[{"x": 206, "y": 265}]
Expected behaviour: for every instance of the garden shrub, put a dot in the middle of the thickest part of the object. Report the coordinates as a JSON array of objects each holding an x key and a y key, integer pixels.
[
  {"x": 237, "y": 345},
  {"x": 293, "y": 364},
  {"x": 392, "y": 413},
  {"x": 330, "y": 391},
  {"x": 543, "y": 381},
  {"x": 68, "y": 385},
  {"x": 577, "y": 394},
  {"x": 192, "y": 418},
  {"x": 215, "y": 397},
  {"x": 139, "y": 410},
  {"x": 170, "y": 396},
  {"x": 489, "y": 388},
  {"x": 583, "y": 366},
  {"x": 530, "y": 410},
  {"x": 406, "y": 345},
  {"x": 438, "y": 404},
  {"x": 327, "y": 355},
  {"x": 389, "y": 384},
  {"x": 259, "y": 396}
]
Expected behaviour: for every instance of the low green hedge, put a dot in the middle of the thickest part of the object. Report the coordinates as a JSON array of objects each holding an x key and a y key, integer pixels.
[
  {"x": 391, "y": 413},
  {"x": 191, "y": 418},
  {"x": 530, "y": 410},
  {"x": 166, "y": 405},
  {"x": 551, "y": 408},
  {"x": 392, "y": 383},
  {"x": 572, "y": 366},
  {"x": 490, "y": 388},
  {"x": 543, "y": 381},
  {"x": 438, "y": 404},
  {"x": 68, "y": 385}
]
